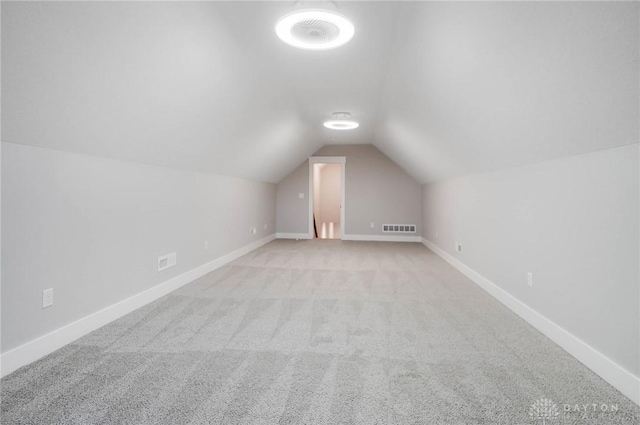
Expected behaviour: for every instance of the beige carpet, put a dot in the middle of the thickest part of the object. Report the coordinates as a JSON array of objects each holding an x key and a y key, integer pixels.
[{"x": 317, "y": 332}]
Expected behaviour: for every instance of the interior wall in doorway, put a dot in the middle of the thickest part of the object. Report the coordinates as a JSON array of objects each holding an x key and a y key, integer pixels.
[{"x": 327, "y": 197}]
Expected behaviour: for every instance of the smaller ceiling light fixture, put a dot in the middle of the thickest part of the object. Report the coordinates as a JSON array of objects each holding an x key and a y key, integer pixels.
[
  {"x": 314, "y": 29},
  {"x": 341, "y": 121}
]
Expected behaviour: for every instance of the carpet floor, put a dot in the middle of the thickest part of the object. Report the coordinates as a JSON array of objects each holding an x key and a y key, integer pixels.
[{"x": 317, "y": 332}]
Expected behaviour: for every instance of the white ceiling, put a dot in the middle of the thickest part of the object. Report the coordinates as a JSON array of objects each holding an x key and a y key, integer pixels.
[{"x": 444, "y": 89}]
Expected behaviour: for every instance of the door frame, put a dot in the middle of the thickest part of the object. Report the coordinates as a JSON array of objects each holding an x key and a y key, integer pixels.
[{"x": 328, "y": 160}]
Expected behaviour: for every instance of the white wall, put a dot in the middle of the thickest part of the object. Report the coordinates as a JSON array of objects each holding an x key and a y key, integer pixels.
[
  {"x": 93, "y": 228},
  {"x": 376, "y": 190},
  {"x": 573, "y": 223},
  {"x": 330, "y": 192},
  {"x": 317, "y": 168},
  {"x": 292, "y": 211}
]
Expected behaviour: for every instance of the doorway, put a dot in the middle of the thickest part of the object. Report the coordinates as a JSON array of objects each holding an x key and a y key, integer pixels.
[{"x": 326, "y": 200}]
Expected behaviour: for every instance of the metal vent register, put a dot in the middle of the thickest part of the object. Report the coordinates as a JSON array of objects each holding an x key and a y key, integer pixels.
[{"x": 398, "y": 228}]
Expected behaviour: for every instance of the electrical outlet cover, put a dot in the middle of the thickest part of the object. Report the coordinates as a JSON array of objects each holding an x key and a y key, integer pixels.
[
  {"x": 167, "y": 261},
  {"x": 47, "y": 298}
]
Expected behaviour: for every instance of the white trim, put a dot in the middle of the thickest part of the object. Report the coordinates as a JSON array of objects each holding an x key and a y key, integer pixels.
[
  {"x": 343, "y": 171},
  {"x": 382, "y": 238},
  {"x": 328, "y": 159},
  {"x": 293, "y": 236},
  {"x": 40, "y": 347},
  {"x": 623, "y": 380}
]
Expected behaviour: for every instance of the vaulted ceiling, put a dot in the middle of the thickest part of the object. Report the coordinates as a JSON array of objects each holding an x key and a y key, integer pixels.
[{"x": 443, "y": 88}]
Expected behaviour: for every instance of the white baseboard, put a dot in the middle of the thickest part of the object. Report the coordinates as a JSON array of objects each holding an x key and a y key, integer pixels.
[
  {"x": 293, "y": 236},
  {"x": 623, "y": 380},
  {"x": 40, "y": 347},
  {"x": 382, "y": 238},
  {"x": 376, "y": 238}
]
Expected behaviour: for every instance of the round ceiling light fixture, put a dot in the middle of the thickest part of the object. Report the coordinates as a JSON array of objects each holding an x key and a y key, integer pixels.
[
  {"x": 341, "y": 121},
  {"x": 314, "y": 29}
]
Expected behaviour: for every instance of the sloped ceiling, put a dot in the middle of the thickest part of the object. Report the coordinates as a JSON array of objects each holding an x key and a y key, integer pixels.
[
  {"x": 444, "y": 89},
  {"x": 474, "y": 87}
]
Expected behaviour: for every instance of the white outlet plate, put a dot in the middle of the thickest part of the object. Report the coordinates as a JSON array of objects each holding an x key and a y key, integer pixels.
[
  {"x": 530, "y": 279},
  {"x": 167, "y": 261},
  {"x": 252, "y": 231},
  {"x": 301, "y": 195},
  {"x": 437, "y": 234},
  {"x": 47, "y": 298},
  {"x": 206, "y": 245},
  {"x": 373, "y": 225},
  {"x": 266, "y": 226}
]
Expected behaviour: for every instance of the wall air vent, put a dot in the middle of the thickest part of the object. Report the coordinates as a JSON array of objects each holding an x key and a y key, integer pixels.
[{"x": 398, "y": 228}]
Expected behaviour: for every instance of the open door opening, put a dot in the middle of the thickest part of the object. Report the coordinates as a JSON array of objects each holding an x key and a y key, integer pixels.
[{"x": 327, "y": 198}]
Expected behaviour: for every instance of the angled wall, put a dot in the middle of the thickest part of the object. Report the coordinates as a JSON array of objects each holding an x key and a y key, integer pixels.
[
  {"x": 376, "y": 190},
  {"x": 171, "y": 84},
  {"x": 480, "y": 86}
]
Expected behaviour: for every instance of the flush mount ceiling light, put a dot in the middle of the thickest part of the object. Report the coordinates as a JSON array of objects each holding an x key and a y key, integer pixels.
[
  {"x": 314, "y": 29},
  {"x": 341, "y": 121}
]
